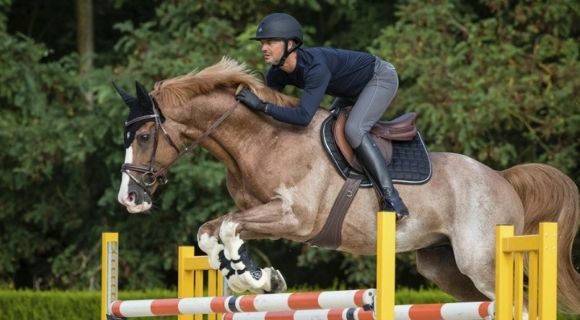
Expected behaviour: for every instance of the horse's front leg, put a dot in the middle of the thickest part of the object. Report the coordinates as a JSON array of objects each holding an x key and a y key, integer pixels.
[
  {"x": 207, "y": 239},
  {"x": 271, "y": 220}
]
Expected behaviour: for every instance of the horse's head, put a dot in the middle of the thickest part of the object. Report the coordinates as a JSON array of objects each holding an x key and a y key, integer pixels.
[
  {"x": 195, "y": 105},
  {"x": 150, "y": 150}
]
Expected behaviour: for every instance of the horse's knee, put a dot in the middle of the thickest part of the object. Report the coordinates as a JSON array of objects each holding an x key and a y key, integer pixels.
[
  {"x": 438, "y": 265},
  {"x": 476, "y": 262},
  {"x": 211, "y": 228},
  {"x": 480, "y": 268},
  {"x": 430, "y": 261}
]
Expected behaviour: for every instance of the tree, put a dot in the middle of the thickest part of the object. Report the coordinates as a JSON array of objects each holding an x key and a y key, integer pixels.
[
  {"x": 505, "y": 72},
  {"x": 85, "y": 41}
]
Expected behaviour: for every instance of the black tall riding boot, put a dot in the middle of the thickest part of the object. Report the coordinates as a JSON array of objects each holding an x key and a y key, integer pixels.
[{"x": 372, "y": 159}]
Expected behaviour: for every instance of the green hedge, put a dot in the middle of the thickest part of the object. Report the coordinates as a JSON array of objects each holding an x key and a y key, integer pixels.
[
  {"x": 43, "y": 305},
  {"x": 64, "y": 305}
]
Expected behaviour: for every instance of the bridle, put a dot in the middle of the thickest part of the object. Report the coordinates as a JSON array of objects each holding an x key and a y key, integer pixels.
[{"x": 151, "y": 174}]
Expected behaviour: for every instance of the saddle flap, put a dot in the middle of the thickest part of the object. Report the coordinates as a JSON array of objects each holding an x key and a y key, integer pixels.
[
  {"x": 342, "y": 143},
  {"x": 338, "y": 131},
  {"x": 401, "y": 128}
]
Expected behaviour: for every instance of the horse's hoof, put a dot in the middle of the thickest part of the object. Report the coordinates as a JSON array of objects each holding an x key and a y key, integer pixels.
[
  {"x": 277, "y": 282},
  {"x": 401, "y": 217}
]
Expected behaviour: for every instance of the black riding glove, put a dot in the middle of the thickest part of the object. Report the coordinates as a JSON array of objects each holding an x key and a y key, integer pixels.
[
  {"x": 340, "y": 103},
  {"x": 248, "y": 98}
]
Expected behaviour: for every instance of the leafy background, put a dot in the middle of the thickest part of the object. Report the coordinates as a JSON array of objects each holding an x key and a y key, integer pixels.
[{"x": 496, "y": 80}]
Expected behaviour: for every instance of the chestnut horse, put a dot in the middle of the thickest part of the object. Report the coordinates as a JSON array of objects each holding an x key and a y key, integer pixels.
[{"x": 284, "y": 185}]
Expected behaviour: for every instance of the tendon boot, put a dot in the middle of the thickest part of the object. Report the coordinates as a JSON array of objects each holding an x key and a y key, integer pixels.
[{"x": 374, "y": 163}]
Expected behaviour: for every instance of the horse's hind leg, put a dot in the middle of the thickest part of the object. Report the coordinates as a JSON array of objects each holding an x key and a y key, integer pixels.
[{"x": 438, "y": 265}]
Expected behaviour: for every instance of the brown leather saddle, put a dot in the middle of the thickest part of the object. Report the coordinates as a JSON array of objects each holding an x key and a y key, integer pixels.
[{"x": 401, "y": 128}]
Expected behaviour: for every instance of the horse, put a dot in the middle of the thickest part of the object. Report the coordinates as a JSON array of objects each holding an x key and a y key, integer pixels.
[{"x": 284, "y": 185}]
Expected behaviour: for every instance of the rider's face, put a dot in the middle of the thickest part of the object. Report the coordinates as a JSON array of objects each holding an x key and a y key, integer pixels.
[{"x": 272, "y": 50}]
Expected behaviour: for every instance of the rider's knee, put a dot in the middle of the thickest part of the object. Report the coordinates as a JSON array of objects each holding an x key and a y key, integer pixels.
[{"x": 354, "y": 134}]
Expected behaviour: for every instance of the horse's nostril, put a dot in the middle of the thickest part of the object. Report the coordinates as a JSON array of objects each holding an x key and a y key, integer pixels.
[{"x": 131, "y": 196}]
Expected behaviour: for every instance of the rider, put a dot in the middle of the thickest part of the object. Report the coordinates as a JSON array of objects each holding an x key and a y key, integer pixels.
[{"x": 350, "y": 76}]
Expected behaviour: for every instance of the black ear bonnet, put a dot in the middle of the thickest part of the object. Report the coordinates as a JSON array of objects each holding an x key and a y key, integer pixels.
[{"x": 142, "y": 109}]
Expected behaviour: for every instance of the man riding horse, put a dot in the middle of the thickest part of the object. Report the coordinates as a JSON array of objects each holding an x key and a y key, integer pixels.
[{"x": 350, "y": 76}]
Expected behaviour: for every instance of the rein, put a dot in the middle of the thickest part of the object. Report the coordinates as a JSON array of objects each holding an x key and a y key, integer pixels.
[{"x": 151, "y": 175}]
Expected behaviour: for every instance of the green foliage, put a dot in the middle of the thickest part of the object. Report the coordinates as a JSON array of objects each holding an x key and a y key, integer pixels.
[
  {"x": 35, "y": 305},
  {"x": 498, "y": 86}
]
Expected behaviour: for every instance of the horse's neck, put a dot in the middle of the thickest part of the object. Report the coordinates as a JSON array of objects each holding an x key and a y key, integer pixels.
[
  {"x": 247, "y": 138},
  {"x": 246, "y": 132},
  {"x": 240, "y": 134}
]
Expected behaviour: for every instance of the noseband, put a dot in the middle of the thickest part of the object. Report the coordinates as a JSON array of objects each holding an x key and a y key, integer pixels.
[{"x": 150, "y": 174}]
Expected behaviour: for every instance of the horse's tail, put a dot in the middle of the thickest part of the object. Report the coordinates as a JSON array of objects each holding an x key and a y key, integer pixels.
[{"x": 549, "y": 195}]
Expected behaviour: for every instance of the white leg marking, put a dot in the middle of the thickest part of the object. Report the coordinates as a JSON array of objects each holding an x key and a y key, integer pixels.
[
  {"x": 231, "y": 240},
  {"x": 232, "y": 243},
  {"x": 210, "y": 245},
  {"x": 238, "y": 284},
  {"x": 246, "y": 280}
]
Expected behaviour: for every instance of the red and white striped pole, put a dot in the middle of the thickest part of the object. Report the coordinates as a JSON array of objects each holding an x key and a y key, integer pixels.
[
  {"x": 323, "y": 314},
  {"x": 446, "y": 311},
  {"x": 237, "y": 304}
]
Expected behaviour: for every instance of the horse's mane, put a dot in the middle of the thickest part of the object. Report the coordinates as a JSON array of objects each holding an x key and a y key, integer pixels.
[{"x": 227, "y": 73}]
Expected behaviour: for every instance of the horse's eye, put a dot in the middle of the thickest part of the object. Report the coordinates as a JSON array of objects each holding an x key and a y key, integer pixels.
[{"x": 143, "y": 138}]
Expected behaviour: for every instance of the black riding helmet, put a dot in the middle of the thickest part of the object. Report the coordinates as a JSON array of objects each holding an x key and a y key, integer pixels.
[{"x": 280, "y": 26}]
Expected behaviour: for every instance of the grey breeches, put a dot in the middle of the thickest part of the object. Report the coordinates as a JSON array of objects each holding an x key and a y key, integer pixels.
[{"x": 372, "y": 102}]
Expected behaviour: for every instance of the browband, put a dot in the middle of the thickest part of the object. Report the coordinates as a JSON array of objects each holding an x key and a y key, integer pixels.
[{"x": 149, "y": 116}]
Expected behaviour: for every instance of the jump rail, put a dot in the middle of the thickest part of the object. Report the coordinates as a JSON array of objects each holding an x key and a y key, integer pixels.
[
  {"x": 446, "y": 311},
  {"x": 262, "y": 302},
  {"x": 351, "y": 304}
]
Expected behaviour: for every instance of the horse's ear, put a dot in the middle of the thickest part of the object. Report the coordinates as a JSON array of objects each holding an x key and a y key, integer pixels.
[
  {"x": 143, "y": 97},
  {"x": 129, "y": 100}
]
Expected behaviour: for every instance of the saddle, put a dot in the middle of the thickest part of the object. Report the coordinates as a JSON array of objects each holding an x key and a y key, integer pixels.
[
  {"x": 406, "y": 158},
  {"x": 401, "y": 128}
]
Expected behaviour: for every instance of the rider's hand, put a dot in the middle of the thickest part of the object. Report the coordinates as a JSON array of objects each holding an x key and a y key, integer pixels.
[{"x": 248, "y": 98}]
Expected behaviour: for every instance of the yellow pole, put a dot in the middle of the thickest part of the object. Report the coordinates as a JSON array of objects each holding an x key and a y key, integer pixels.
[
  {"x": 548, "y": 271},
  {"x": 518, "y": 285},
  {"x": 504, "y": 281},
  {"x": 542, "y": 276},
  {"x": 109, "y": 271},
  {"x": 385, "y": 299},
  {"x": 184, "y": 276},
  {"x": 533, "y": 277}
]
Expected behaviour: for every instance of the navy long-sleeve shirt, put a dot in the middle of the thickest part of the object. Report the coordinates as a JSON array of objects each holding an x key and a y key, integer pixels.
[{"x": 320, "y": 71}]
